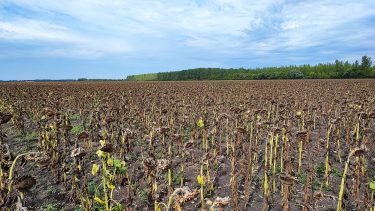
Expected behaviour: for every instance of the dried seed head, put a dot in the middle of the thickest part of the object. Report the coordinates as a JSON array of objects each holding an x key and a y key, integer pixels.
[
  {"x": 83, "y": 135},
  {"x": 358, "y": 151},
  {"x": 318, "y": 196},
  {"x": 301, "y": 135},
  {"x": 48, "y": 112},
  {"x": 5, "y": 117},
  {"x": 221, "y": 202},
  {"x": 163, "y": 164},
  {"x": 24, "y": 183},
  {"x": 368, "y": 131},
  {"x": 310, "y": 122},
  {"x": 108, "y": 147},
  {"x": 149, "y": 164},
  {"x": 184, "y": 194},
  {"x": 189, "y": 144},
  {"x": 68, "y": 127},
  {"x": 77, "y": 153},
  {"x": 40, "y": 158},
  {"x": 363, "y": 115},
  {"x": 276, "y": 130},
  {"x": 34, "y": 155},
  {"x": 164, "y": 130},
  {"x": 241, "y": 130},
  {"x": 287, "y": 179}
]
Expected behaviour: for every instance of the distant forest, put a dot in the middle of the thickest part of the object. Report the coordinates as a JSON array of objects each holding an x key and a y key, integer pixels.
[{"x": 338, "y": 69}]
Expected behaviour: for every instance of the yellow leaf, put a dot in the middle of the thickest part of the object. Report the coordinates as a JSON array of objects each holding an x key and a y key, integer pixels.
[
  {"x": 372, "y": 186},
  {"x": 102, "y": 142},
  {"x": 100, "y": 154},
  {"x": 157, "y": 207},
  {"x": 200, "y": 123},
  {"x": 110, "y": 186},
  {"x": 110, "y": 162},
  {"x": 94, "y": 169},
  {"x": 97, "y": 199},
  {"x": 201, "y": 180}
]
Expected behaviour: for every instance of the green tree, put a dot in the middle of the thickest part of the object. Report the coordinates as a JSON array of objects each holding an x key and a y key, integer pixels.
[{"x": 366, "y": 63}]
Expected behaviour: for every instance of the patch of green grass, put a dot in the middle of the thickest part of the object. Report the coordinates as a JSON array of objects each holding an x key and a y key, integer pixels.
[
  {"x": 317, "y": 185},
  {"x": 302, "y": 178},
  {"x": 31, "y": 136},
  {"x": 77, "y": 129},
  {"x": 79, "y": 208},
  {"x": 51, "y": 190},
  {"x": 132, "y": 156},
  {"x": 143, "y": 195},
  {"x": 141, "y": 143},
  {"x": 216, "y": 167},
  {"x": 91, "y": 188},
  {"x": 321, "y": 168},
  {"x": 257, "y": 179},
  {"x": 278, "y": 168},
  {"x": 49, "y": 207},
  {"x": 336, "y": 173},
  {"x": 143, "y": 77},
  {"x": 329, "y": 188},
  {"x": 118, "y": 207},
  {"x": 176, "y": 177},
  {"x": 75, "y": 117}
]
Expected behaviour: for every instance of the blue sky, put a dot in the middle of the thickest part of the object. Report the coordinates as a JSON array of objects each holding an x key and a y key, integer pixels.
[{"x": 60, "y": 39}]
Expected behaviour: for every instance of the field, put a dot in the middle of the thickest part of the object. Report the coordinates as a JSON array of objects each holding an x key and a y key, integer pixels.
[{"x": 212, "y": 145}]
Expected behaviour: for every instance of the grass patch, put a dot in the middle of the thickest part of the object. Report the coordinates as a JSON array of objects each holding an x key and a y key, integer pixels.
[
  {"x": 321, "y": 168},
  {"x": 176, "y": 178},
  {"x": 143, "y": 195},
  {"x": 317, "y": 185},
  {"x": 77, "y": 129},
  {"x": 31, "y": 136},
  {"x": 49, "y": 207},
  {"x": 336, "y": 173},
  {"x": 75, "y": 117},
  {"x": 302, "y": 178}
]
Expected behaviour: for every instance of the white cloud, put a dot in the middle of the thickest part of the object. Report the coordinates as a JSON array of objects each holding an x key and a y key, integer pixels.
[
  {"x": 26, "y": 29},
  {"x": 99, "y": 28}
]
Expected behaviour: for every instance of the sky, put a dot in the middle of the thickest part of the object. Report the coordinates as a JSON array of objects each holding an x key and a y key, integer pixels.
[{"x": 111, "y": 39}]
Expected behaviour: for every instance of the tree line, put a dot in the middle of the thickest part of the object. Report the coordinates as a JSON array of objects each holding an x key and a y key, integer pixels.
[{"x": 338, "y": 69}]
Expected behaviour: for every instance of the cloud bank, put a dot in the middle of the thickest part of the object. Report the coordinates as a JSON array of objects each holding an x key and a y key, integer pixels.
[{"x": 115, "y": 38}]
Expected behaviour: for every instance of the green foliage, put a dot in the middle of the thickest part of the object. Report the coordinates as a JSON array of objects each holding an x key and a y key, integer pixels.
[
  {"x": 119, "y": 166},
  {"x": 216, "y": 167},
  {"x": 321, "y": 168},
  {"x": 74, "y": 117},
  {"x": 92, "y": 189},
  {"x": 317, "y": 185},
  {"x": 118, "y": 207},
  {"x": 77, "y": 129},
  {"x": 372, "y": 186},
  {"x": 31, "y": 136},
  {"x": 338, "y": 69},
  {"x": 51, "y": 190},
  {"x": 143, "y": 195},
  {"x": 302, "y": 178},
  {"x": 257, "y": 179},
  {"x": 336, "y": 173},
  {"x": 176, "y": 177},
  {"x": 143, "y": 77},
  {"x": 49, "y": 207},
  {"x": 278, "y": 168},
  {"x": 132, "y": 156}
]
